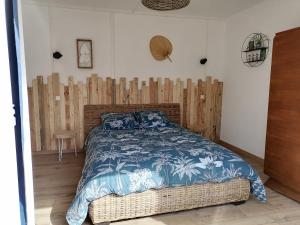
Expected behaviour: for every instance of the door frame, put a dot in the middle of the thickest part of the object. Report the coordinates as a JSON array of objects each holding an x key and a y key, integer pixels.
[
  {"x": 13, "y": 66},
  {"x": 9, "y": 192},
  {"x": 26, "y": 140}
]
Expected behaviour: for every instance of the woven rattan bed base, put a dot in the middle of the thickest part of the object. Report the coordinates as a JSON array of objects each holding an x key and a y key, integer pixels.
[{"x": 151, "y": 202}]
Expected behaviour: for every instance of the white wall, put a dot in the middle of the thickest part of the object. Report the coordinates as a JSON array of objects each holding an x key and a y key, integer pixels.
[
  {"x": 246, "y": 90},
  {"x": 120, "y": 43},
  {"x": 121, "y": 40}
]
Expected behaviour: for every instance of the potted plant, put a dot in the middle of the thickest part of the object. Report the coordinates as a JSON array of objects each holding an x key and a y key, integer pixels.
[{"x": 258, "y": 41}]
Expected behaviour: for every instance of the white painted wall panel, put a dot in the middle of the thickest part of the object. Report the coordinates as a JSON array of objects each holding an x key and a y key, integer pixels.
[{"x": 120, "y": 43}]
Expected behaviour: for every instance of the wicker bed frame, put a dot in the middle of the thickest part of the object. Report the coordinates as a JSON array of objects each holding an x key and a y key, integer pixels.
[{"x": 151, "y": 202}]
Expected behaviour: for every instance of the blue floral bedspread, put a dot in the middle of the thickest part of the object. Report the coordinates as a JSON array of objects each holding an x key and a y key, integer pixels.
[{"x": 127, "y": 161}]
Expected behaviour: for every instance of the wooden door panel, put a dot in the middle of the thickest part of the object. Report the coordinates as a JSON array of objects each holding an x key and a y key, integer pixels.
[
  {"x": 282, "y": 157},
  {"x": 285, "y": 79}
]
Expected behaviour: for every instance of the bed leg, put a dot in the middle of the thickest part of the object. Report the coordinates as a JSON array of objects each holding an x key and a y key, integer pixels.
[{"x": 239, "y": 203}]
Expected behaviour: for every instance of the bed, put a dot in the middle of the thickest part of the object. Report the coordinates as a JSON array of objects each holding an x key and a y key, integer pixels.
[{"x": 137, "y": 173}]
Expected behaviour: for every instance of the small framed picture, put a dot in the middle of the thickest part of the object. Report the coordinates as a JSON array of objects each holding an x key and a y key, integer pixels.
[{"x": 84, "y": 54}]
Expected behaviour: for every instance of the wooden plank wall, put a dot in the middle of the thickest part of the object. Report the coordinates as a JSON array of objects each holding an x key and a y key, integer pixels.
[{"x": 55, "y": 106}]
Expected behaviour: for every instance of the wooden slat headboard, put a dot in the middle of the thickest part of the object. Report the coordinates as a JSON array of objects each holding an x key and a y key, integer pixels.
[{"x": 92, "y": 112}]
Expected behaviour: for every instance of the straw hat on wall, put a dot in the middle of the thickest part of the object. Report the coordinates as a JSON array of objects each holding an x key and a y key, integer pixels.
[{"x": 160, "y": 48}]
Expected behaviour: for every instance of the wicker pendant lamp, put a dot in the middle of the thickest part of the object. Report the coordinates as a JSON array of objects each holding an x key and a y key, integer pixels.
[{"x": 164, "y": 5}]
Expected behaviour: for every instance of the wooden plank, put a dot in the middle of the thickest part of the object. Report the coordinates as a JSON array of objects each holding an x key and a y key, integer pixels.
[
  {"x": 201, "y": 106},
  {"x": 113, "y": 91},
  {"x": 176, "y": 92},
  {"x": 214, "y": 106},
  {"x": 72, "y": 100},
  {"x": 155, "y": 90},
  {"x": 140, "y": 97},
  {"x": 160, "y": 88},
  {"x": 100, "y": 85},
  {"x": 166, "y": 90},
  {"x": 85, "y": 95},
  {"x": 191, "y": 106},
  {"x": 104, "y": 92},
  {"x": 151, "y": 90},
  {"x": 81, "y": 114},
  {"x": 131, "y": 97},
  {"x": 76, "y": 115},
  {"x": 36, "y": 113},
  {"x": 46, "y": 119},
  {"x": 31, "y": 119},
  {"x": 109, "y": 90},
  {"x": 62, "y": 107},
  {"x": 195, "y": 108},
  {"x": 67, "y": 106},
  {"x": 184, "y": 121},
  {"x": 56, "y": 94},
  {"x": 219, "y": 110},
  {"x": 188, "y": 102},
  {"x": 67, "y": 112},
  {"x": 51, "y": 112},
  {"x": 93, "y": 89},
  {"x": 181, "y": 101},
  {"x": 171, "y": 87},
  {"x": 147, "y": 94},
  {"x": 88, "y": 89},
  {"x": 208, "y": 109},
  {"x": 123, "y": 92},
  {"x": 144, "y": 93},
  {"x": 118, "y": 97},
  {"x": 133, "y": 91},
  {"x": 40, "y": 86}
]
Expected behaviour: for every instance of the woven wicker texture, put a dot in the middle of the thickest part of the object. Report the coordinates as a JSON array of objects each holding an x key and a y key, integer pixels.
[
  {"x": 92, "y": 112},
  {"x": 151, "y": 202},
  {"x": 165, "y": 4}
]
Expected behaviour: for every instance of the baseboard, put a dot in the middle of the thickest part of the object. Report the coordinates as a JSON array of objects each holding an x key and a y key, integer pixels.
[{"x": 238, "y": 151}]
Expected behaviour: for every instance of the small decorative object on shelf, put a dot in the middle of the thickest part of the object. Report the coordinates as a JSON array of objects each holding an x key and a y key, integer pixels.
[
  {"x": 255, "y": 49},
  {"x": 251, "y": 45}
]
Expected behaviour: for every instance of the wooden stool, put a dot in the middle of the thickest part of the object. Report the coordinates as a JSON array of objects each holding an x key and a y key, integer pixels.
[{"x": 60, "y": 137}]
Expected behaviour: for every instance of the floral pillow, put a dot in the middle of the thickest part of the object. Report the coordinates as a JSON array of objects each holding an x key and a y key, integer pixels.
[
  {"x": 119, "y": 121},
  {"x": 152, "y": 119}
]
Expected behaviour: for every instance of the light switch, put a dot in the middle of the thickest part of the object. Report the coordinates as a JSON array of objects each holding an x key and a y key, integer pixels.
[{"x": 57, "y": 98}]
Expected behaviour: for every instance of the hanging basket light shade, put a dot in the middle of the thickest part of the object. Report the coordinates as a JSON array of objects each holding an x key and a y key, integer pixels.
[{"x": 164, "y": 5}]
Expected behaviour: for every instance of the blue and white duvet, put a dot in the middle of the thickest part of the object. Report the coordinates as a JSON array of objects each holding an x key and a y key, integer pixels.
[{"x": 126, "y": 161}]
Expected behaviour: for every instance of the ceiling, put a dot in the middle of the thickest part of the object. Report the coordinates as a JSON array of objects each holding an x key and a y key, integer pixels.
[{"x": 201, "y": 8}]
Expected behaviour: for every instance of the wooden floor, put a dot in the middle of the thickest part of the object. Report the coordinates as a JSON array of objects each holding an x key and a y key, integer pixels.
[{"x": 55, "y": 184}]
